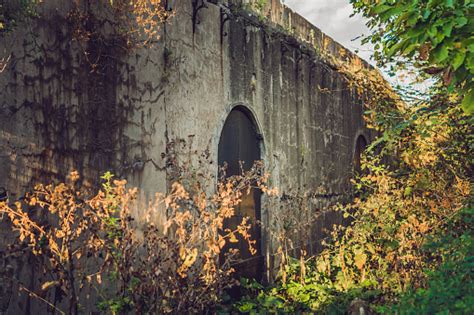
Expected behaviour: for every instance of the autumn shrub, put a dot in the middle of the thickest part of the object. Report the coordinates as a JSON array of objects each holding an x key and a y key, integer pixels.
[
  {"x": 295, "y": 280},
  {"x": 426, "y": 182},
  {"x": 450, "y": 285},
  {"x": 167, "y": 259},
  {"x": 176, "y": 267},
  {"x": 60, "y": 230}
]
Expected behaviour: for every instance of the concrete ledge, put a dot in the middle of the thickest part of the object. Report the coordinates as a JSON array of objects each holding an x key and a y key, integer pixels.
[{"x": 277, "y": 15}]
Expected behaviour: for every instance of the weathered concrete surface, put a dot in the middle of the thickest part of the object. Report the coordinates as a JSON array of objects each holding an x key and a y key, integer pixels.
[{"x": 59, "y": 114}]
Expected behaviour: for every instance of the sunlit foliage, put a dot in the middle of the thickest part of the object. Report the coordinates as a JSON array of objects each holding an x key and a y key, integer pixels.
[{"x": 162, "y": 257}]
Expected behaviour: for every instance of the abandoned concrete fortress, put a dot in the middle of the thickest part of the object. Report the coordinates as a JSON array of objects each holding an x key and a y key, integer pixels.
[{"x": 239, "y": 83}]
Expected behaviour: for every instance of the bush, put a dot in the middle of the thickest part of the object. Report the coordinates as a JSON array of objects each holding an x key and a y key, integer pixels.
[
  {"x": 450, "y": 286},
  {"x": 161, "y": 258},
  {"x": 305, "y": 291}
]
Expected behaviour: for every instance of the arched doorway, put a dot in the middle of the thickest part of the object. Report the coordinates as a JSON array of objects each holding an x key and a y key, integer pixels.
[
  {"x": 240, "y": 142},
  {"x": 361, "y": 144}
]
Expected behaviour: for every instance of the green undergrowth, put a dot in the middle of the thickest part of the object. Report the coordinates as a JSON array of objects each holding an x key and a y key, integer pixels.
[{"x": 448, "y": 288}]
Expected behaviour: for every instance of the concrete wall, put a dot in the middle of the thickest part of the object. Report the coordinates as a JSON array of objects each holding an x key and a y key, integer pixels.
[{"x": 59, "y": 112}]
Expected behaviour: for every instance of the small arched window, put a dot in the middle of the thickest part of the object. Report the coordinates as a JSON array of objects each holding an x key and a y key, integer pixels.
[
  {"x": 360, "y": 146},
  {"x": 169, "y": 5}
]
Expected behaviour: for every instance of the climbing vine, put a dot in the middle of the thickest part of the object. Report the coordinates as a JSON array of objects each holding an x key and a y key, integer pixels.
[
  {"x": 118, "y": 23},
  {"x": 138, "y": 22},
  {"x": 13, "y": 12}
]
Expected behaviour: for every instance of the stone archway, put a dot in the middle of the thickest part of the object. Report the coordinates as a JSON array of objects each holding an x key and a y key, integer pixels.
[{"x": 240, "y": 142}]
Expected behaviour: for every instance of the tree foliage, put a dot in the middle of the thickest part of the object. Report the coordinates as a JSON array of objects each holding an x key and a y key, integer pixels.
[{"x": 437, "y": 35}]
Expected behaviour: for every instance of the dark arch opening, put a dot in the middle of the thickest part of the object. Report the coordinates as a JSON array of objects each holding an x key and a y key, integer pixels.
[
  {"x": 360, "y": 146},
  {"x": 240, "y": 142}
]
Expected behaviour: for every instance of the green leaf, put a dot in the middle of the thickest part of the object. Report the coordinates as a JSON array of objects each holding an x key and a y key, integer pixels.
[
  {"x": 447, "y": 28},
  {"x": 426, "y": 14},
  {"x": 440, "y": 53},
  {"x": 246, "y": 307},
  {"x": 469, "y": 43},
  {"x": 396, "y": 10},
  {"x": 410, "y": 48},
  {"x": 432, "y": 31},
  {"x": 412, "y": 19},
  {"x": 468, "y": 102},
  {"x": 381, "y": 8},
  {"x": 416, "y": 31},
  {"x": 439, "y": 37},
  {"x": 469, "y": 62},
  {"x": 394, "y": 49},
  {"x": 458, "y": 59},
  {"x": 271, "y": 301},
  {"x": 461, "y": 21}
]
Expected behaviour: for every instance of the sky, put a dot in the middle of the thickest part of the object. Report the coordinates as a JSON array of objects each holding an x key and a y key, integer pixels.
[{"x": 333, "y": 18}]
